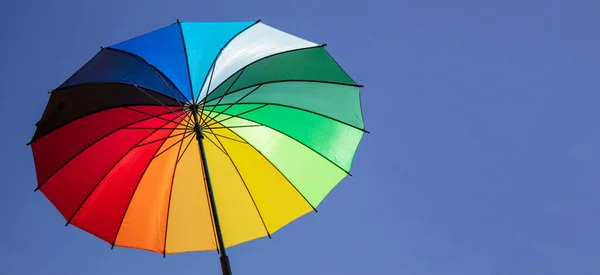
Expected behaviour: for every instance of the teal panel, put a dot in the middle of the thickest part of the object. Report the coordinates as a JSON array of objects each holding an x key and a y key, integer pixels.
[
  {"x": 203, "y": 42},
  {"x": 339, "y": 102}
]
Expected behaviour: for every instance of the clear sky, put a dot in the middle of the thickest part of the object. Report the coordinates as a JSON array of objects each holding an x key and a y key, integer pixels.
[{"x": 483, "y": 159}]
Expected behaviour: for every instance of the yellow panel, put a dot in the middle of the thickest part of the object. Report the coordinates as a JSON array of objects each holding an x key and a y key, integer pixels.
[
  {"x": 189, "y": 227},
  {"x": 144, "y": 224},
  {"x": 278, "y": 201},
  {"x": 238, "y": 216}
]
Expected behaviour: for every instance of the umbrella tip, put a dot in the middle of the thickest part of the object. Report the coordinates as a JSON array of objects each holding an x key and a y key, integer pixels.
[
  {"x": 178, "y": 21},
  {"x": 259, "y": 20}
]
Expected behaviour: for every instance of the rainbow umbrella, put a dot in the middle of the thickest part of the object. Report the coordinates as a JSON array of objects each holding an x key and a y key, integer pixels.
[{"x": 197, "y": 136}]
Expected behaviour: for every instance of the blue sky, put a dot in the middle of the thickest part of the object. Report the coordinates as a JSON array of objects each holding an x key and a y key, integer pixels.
[{"x": 483, "y": 157}]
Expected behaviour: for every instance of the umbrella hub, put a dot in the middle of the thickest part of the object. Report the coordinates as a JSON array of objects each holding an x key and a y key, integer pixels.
[
  {"x": 195, "y": 110},
  {"x": 198, "y": 131}
]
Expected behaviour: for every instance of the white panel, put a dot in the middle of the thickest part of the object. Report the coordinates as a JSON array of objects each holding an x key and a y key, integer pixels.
[{"x": 255, "y": 43}]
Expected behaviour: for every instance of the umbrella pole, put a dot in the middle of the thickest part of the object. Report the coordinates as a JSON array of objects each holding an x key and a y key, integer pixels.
[{"x": 225, "y": 266}]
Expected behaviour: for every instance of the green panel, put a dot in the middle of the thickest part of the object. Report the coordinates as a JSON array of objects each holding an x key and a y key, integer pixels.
[
  {"x": 336, "y": 101},
  {"x": 312, "y": 175},
  {"x": 335, "y": 141},
  {"x": 311, "y": 64}
]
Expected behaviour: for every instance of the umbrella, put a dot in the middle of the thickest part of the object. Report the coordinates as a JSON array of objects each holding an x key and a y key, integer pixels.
[{"x": 197, "y": 136}]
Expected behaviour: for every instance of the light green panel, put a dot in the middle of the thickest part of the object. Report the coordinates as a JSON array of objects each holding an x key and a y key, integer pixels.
[
  {"x": 311, "y": 174},
  {"x": 333, "y": 140}
]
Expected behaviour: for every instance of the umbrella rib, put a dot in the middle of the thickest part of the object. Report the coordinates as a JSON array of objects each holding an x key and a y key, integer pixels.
[
  {"x": 131, "y": 199},
  {"x": 171, "y": 146},
  {"x": 213, "y": 107},
  {"x": 156, "y": 128},
  {"x": 170, "y": 91},
  {"x": 161, "y": 139},
  {"x": 161, "y": 103},
  {"x": 239, "y": 100},
  {"x": 233, "y": 127},
  {"x": 148, "y": 114},
  {"x": 171, "y": 191},
  {"x": 276, "y": 168},
  {"x": 107, "y": 173},
  {"x": 244, "y": 182},
  {"x": 234, "y": 116},
  {"x": 188, "y": 145},
  {"x": 90, "y": 145},
  {"x": 218, "y": 135},
  {"x": 215, "y": 144}
]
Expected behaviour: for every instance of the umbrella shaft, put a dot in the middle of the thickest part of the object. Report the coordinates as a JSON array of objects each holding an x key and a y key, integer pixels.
[{"x": 221, "y": 246}]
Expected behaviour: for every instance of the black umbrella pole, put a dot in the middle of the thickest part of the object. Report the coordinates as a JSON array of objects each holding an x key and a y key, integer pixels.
[{"x": 225, "y": 266}]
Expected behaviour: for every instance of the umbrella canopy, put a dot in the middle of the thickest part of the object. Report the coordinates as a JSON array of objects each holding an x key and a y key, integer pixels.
[{"x": 197, "y": 136}]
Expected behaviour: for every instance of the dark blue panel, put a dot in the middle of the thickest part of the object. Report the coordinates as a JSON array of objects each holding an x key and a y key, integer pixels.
[
  {"x": 163, "y": 49},
  {"x": 116, "y": 67}
]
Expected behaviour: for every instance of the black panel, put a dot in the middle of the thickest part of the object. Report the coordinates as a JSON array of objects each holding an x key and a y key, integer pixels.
[{"x": 72, "y": 103}]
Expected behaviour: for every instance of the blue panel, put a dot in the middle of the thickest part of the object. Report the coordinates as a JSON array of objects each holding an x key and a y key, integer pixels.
[
  {"x": 163, "y": 49},
  {"x": 117, "y": 67},
  {"x": 203, "y": 41}
]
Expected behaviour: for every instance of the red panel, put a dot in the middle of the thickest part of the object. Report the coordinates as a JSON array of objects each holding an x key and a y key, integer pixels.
[
  {"x": 102, "y": 213},
  {"x": 55, "y": 149},
  {"x": 69, "y": 187}
]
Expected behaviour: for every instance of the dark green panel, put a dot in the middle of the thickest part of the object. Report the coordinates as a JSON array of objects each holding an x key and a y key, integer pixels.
[{"x": 311, "y": 64}]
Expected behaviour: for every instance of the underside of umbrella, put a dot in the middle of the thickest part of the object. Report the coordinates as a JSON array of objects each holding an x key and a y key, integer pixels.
[{"x": 197, "y": 136}]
